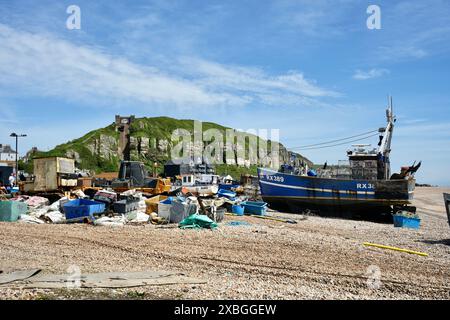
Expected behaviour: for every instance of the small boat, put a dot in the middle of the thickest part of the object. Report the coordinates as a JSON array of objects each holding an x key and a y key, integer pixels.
[
  {"x": 229, "y": 184},
  {"x": 369, "y": 187},
  {"x": 202, "y": 190},
  {"x": 202, "y": 185}
]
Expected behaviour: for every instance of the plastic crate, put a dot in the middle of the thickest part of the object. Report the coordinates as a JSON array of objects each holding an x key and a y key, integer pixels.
[
  {"x": 10, "y": 211},
  {"x": 255, "y": 207},
  {"x": 226, "y": 193},
  {"x": 238, "y": 210},
  {"x": 129, "y": 198},
  {"x": 107, "y": 194},
  {"x": 164, "y": 208},
  {"x": 124, "y": 206},
  {"x": 405, "y": 222},
  {"x": 179, "y": 211},
  {"x": 106, "y": 197},
  {"x": 226, "y": 186},
  {"x": 107, "y": 201},
  {"x": 81, "y": 208}
]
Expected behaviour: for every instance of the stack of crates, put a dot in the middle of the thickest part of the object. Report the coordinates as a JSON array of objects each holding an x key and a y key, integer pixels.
[
  {"x": 364, "y": 169},
  {"x": 123, "y": 206},
  {"x": 126, "y": 204},
  {"x": 106, "y": 197}
]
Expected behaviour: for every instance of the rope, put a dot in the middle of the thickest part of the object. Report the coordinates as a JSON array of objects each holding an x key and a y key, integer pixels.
[
  {"x": 337, "y": 140},
  {"x": 337, "y": 144}
]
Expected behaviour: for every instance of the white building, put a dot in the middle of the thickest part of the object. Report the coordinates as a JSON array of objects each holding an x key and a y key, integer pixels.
[{"x": 7, "y": 154}]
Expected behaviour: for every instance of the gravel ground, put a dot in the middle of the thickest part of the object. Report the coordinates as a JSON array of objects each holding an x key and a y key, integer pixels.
[{"x": 317, "y": 258}]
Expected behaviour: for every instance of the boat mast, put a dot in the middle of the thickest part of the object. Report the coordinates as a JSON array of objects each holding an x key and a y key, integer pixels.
[{"x": 384, "y": 148}]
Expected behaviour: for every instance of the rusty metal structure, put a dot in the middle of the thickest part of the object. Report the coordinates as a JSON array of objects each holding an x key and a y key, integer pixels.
[{"x": 123, "y": 125}]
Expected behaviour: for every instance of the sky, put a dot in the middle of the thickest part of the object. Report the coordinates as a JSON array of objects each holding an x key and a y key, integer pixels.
[{"x": 312, "y": 69}]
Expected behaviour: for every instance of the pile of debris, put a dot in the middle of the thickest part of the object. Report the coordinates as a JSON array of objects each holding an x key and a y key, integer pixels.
[{"x": 105, "y": 207}]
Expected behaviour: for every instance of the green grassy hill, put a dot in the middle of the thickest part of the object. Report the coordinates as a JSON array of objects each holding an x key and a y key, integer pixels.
[{"x": 150, "y": 143}]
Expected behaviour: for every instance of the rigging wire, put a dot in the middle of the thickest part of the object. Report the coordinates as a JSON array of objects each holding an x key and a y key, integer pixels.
[
  {"x": 332, "y": 141},
  {"x": 337, "y": 144}
]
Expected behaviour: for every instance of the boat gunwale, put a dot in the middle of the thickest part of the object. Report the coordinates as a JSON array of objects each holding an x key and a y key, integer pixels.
[{"x": 336, "y": 179}]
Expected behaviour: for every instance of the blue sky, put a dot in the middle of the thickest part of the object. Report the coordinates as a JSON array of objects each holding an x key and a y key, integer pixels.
[{"x": 309, "y": 68}]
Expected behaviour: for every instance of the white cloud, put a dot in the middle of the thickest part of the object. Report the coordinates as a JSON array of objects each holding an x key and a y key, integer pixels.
[
  {"x": 48, "y": 66},
  {"x": 255, "y": 80},
  {"x": 370, "y": 74}
]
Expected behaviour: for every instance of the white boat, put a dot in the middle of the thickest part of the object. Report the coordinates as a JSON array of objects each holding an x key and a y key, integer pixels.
[
  {"x": 203, "y": 190},
  {"x": 202, "y": 185}
]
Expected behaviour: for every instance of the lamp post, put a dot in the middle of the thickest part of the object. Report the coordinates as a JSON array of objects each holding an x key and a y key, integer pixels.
[
  {"x": 155, "y": 165},
  {"x": 17, "y": 136}
]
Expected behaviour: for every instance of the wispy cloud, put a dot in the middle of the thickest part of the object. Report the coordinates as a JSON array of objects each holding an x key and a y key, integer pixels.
[
  {"x": 403, "y": 50},
  {"x": 320, "y": 18},
  {"x": 416, "y": 29},
  {"x": 370, "y": 74},
  {"x": 253, "y": 82},
  {"x": 7, "y": 115},
  {"x": 405, "y": 120},
  {"x": 46, "y": 65},
  {"x": 49, "y": 66},
  {"x": 425, "y": 129}
]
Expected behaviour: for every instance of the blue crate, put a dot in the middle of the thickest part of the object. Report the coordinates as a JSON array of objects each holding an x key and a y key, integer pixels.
[
  {"x": 227, "y": 194},
  {"x": 80, "y": 208},
  {"x": 238, "y": 210},
  {"x": 255, "y": 207},
  {"x": 226, "y": 186},
  {"x": 404, "y": 222}
]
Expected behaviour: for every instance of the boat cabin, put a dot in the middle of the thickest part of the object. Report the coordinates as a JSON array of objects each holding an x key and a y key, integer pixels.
[
  {"x": 200, "y": 179},
  {"x": 187, "y": 180}
]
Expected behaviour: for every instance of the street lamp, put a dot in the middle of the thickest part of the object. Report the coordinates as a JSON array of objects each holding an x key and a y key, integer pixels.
[
  {"x": 17, "y": 136},
  {"x": 155, "y": 165}
]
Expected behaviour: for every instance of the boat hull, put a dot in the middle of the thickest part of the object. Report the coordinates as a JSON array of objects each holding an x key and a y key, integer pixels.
[
  {"x": 294, "y": 191},
  {"x": 202, "y": 190}
]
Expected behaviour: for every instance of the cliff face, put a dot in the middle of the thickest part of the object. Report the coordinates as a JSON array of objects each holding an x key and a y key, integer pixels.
[{"x": 151, "y": 141}]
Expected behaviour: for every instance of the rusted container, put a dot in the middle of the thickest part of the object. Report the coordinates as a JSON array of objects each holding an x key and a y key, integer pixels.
[{"x": 52, "y": 173}]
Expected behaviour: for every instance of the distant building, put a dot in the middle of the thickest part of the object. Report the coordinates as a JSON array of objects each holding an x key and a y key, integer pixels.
[
  {"x": 30, "y": 154},
  {"x": 7, "y": 155}
]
